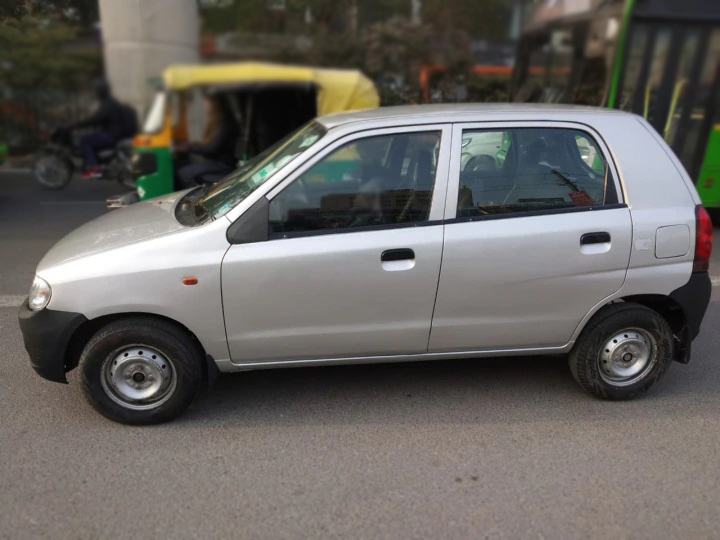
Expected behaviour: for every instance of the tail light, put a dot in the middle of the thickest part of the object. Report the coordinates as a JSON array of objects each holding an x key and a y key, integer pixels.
[{"x": 703, "y": 239}]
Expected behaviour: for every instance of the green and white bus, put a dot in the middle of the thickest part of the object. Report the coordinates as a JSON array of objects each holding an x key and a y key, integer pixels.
[{"x": 657, "y": 58}]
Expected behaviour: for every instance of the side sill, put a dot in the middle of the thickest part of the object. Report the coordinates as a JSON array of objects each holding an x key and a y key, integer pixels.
[{"x": 227, "y": 366}]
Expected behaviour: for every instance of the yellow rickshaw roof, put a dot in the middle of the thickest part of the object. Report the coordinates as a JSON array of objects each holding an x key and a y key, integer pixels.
[{"x": 338, "y": 89}]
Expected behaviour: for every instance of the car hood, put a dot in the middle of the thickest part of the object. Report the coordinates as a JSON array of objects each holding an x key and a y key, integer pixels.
[{"x": 134, "y": 223}]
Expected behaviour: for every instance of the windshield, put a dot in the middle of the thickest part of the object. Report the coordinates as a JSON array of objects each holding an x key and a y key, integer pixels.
[
  {"x": 154, "y": 120},
  {"x": 233, "y": 189}
]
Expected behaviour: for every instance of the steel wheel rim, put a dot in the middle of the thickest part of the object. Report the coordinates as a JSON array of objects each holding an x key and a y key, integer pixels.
[
  {"x": 138, "y": 377},
  {"x": 627, "y": 357},
  {"x": 51, "y": 171}
]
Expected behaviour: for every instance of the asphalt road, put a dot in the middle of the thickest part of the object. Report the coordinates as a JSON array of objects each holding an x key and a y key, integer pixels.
[{"x": 502, "y": 448}]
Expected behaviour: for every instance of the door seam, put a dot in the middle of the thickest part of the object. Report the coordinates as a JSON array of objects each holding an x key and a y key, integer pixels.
[
  {"x": 222, "y": 300},
  {"x": 442, "y": 245},
  {"x": 437, "y": 288}
]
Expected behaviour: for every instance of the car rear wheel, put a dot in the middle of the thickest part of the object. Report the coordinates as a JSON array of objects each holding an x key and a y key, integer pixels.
[
  {"x": 622, "y": 352},
  {"x": 141, "y": 371}
]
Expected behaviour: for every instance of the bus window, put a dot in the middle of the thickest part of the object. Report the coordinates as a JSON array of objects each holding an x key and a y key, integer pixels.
[
  {"x": 682, "y": 79},
  {"x": 694, "y": 135},
  {"x": 633, "y": 67},
  {"x": 657, "y": 69}
]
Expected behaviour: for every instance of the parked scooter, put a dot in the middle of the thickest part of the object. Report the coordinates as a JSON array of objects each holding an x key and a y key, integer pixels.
[{"x": 60, "y": 158}]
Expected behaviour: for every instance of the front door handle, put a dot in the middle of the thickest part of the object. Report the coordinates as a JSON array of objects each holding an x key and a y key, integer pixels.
[
  {"x": 595, "y": 238},
  {"x": 403, "y": 254}
]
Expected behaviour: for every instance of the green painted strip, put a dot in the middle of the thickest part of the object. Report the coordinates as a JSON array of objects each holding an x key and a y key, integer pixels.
[
  {"x": 620, "y": 52},
  {"x": 161, "y": 182},
  {"x": 708, "y": 183}
]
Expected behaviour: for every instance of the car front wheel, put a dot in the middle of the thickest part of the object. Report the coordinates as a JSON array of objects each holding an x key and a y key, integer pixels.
[
  {"x": 622, "y": 352},
  {"x": 141, "y": 371}
]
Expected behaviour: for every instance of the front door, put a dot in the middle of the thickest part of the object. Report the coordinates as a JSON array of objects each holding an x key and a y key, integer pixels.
[
  {"x": 535, "y": 238},
  {"x": 352, "y": 262}
]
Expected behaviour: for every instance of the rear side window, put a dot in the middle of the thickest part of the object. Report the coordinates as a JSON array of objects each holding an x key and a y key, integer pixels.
[{"x": 531, "y": 169}]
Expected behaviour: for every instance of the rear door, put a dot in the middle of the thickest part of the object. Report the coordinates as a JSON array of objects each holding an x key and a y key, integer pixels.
[{"x": 534, "y": 237}]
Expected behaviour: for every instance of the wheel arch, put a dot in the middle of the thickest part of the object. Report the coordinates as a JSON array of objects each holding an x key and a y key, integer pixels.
[
  {"x": 669, "y": 309},
  {"x": 85, "y": 331}
]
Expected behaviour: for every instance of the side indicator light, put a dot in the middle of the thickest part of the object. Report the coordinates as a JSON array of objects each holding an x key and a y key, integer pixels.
[{"x": 189, "y": 281}]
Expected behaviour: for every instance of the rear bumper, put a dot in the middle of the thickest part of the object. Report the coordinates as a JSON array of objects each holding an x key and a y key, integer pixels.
[
  {"x": 693, "y": 298},
  {"x": 46, "y": 334}
]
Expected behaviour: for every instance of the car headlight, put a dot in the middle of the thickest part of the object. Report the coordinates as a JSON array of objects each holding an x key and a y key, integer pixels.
[{"x": 39, "y": 294}]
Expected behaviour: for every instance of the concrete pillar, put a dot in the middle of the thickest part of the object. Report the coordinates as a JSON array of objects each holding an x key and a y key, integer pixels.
[{"x": 140, "y": 38}]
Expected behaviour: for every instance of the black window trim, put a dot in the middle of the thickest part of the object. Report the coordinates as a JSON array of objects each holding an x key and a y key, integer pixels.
[
  {"x": 536, "y": 213},
  {"x": 613, "y": 180},
  {"x": 431, "y": 223},
  {"x": 269, "y": 236},
  {"x": 368, "y": 228}
]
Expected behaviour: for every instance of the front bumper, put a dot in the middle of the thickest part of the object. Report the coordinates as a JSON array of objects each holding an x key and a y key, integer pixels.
[{"x": 46, "y": 334}]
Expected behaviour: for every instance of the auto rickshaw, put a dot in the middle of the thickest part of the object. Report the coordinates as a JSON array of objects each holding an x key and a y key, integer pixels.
[{"x": 268, "y": 102}]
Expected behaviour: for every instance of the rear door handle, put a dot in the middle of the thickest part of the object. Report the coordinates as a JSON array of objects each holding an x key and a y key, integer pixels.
[
  {"x": 397, "y": 255},
  {"x": 595, "y": 238}
]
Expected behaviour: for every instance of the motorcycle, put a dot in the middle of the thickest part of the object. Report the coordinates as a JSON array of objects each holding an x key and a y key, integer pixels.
[{"x": 60, "y": 158}]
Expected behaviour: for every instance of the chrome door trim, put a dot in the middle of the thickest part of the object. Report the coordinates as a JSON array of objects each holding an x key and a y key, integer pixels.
[
  {"x": 441, "y": 172},
  {"x": 227, "y": 366},
  {"x": 458, "y": 128}
]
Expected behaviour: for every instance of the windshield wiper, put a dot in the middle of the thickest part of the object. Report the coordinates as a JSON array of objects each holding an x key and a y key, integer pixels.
[
  {"x": 200, "y": 211},
  {"x": 565, "y": 180}
]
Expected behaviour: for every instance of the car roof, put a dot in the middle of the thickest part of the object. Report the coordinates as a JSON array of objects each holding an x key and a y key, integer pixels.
[{"x": 465, "y": 112}]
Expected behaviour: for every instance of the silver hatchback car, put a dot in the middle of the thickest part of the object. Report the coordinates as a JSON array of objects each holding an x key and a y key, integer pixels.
[{"x": 395, "y": 234}]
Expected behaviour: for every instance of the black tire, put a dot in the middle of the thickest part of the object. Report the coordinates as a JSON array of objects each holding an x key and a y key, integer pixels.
[
  {"x": 52, "y": 170},
  {"x": 184, "y": 360},
  {"x": 587, "y": 355}
]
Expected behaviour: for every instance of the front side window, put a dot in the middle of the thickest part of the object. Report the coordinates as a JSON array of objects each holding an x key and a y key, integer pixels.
[
  {"x": 374, "y": 181},
  {"x": 525, "y": 170}
]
